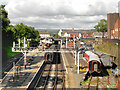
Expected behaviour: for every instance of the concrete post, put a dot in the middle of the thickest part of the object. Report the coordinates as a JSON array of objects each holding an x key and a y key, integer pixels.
[
  {"x": 75, "y": 58},
  {"x": 13, "y": 44},
  {"x": 78, "y": 63},
  {"x": 25, "y": 60},
  {"x": 24, "y": 42},
  {"x": 19, "y": 43}
]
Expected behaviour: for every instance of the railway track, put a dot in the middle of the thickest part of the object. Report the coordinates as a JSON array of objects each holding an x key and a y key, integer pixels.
[
  {"x": 98, "y": 82},
  {"x": 51, "y": 75},
  {"x": 90, "y": 81}
]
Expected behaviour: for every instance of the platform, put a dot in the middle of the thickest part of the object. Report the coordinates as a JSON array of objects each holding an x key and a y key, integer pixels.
[{"x": 26, "y": 75}]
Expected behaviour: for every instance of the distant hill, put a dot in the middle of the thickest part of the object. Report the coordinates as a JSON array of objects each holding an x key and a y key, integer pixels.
[
  {"x": 56, "y": 30},
  {"x": 48, "y": 30}
]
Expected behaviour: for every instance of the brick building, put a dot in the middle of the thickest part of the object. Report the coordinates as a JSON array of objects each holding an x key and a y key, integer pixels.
[
  {"x": 111, "y": 20},
  {"x": 116, "y": 31}
]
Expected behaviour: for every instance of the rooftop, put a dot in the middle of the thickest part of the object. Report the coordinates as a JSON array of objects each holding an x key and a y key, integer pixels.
[{"x": 44, "y": 33}]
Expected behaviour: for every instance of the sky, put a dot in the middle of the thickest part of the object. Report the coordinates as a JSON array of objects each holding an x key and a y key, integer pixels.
[{"x": 83, "y": 14}]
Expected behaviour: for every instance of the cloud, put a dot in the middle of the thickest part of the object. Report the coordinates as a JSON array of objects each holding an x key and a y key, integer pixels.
[{"x": 59, "y": 13}]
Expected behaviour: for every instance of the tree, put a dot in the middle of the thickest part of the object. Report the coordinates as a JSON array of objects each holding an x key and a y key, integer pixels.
[
  {"x": 101, "y": 26},
  {"x": 17, "y": 31},
  {"x": 4, "y": 17},
  {"x": 5, "y": 24},
  {"x": 56, "y": 35}
]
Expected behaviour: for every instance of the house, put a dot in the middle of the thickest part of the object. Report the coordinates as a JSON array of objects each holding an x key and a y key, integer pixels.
[
  {"x": 69, "y": 33},
  {"x": 44, "y": 34},
  {"x": 99, "y": 34}
]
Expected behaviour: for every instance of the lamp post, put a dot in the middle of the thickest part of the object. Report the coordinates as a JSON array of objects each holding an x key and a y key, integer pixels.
[{"x": 78, "y": 62}]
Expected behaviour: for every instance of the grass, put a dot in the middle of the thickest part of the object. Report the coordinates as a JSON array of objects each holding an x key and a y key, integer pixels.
[
  {"x": 107, "y": 47},
  {"x": 8, "y": 49}
]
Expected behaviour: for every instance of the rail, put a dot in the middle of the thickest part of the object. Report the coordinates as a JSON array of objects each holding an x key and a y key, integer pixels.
[
  {"x": 44, "y": 87},
  {"x": 56, "y": 74},
  {"x": 36, "y": 78},
  {"x": 41, "y": 78},
  {"x": 98, "y": 81}
]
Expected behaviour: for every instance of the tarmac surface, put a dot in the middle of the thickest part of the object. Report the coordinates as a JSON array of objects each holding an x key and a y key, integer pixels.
[
  {"x": 24, "y": 76},
  {"x": 73, "y": 79}
]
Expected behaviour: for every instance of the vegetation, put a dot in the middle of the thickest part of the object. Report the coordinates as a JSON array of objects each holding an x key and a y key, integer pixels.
[
  {"x": 9, "y": 52},
  {"x": 101, "y": 26},
  {"x": 4, "y": 17},
  {"x": 21, "y": 31},
  {"x": 12, "y": 33},
  {"x": 56, "y": 35},
  {"x": 82, "y": 40},
  {"x": 109, "y": 48}
]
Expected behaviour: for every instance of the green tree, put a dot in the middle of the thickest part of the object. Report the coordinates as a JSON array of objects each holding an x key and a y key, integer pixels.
[
  {"x": 21, "y": 31},
  {"x": 4, "y": 17},
  {"x": 56, "y": 35},
  {"x": 101, "y": 26}
]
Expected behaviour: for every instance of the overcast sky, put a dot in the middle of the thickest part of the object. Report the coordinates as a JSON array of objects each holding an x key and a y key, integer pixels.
[{"x": 59, "y": 13}]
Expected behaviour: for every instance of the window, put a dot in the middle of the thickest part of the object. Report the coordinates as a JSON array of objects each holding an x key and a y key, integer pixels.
[{"x": 95, "y": 66}]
